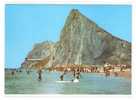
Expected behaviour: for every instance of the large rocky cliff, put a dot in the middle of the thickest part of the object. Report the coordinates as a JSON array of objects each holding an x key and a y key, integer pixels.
[{"x": 82, "y": 41}]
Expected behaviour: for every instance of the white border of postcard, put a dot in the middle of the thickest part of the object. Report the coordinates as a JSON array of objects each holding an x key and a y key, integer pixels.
[{"x": 3, "y": 96}]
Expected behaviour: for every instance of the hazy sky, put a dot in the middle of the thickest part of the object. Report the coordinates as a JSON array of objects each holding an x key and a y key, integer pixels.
[{"x": 26, "y": 25}]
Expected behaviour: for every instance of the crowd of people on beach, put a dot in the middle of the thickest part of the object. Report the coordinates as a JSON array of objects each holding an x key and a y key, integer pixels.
[
  {"x": 76, "y": 69},
  {"x": 106, "y": 69}
]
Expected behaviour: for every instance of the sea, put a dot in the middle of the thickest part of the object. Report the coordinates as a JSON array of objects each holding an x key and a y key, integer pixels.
[{"x": 89, "y": 83}]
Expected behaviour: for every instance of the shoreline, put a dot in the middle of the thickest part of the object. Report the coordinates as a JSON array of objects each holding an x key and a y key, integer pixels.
[{"x": 126, "y": 74}]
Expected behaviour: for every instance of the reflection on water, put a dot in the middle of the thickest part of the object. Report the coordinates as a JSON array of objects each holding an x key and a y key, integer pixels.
[{"x": 23, "y": 83}]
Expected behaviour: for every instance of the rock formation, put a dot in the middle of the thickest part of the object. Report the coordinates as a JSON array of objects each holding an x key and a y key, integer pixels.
[{"x": 82, "y": 41}]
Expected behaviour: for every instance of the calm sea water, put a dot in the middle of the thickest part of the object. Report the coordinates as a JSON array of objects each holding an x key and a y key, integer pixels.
[{"x": 23, "y": 83}]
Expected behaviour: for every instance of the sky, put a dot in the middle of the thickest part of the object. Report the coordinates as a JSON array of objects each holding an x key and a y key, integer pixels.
[{"x": 28, "y": 24}]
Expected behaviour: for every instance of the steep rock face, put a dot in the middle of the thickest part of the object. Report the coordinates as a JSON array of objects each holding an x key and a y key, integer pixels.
[{"x": 84, "y": 42}]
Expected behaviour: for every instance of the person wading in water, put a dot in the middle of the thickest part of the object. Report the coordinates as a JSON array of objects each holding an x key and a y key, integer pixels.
[
  {"x": 13, "y": 72},
  {"x": 62, "y": 76},
  {"x": 40, "y": 74},
  {"x": 78, "y": 73},
  {"x": 74, "y": 73}
]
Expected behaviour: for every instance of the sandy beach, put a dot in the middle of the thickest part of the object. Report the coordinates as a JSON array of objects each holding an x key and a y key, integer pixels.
[{"x": 126, "y": 74}]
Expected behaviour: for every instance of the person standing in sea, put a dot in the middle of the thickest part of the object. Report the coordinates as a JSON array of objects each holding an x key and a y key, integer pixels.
[{"x": 40, "y": 74}]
